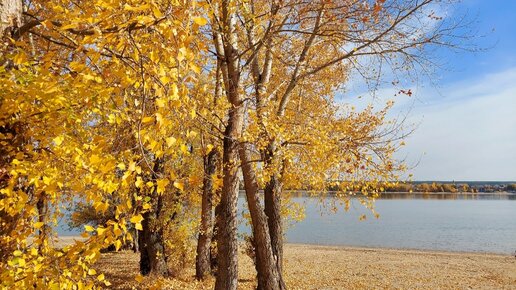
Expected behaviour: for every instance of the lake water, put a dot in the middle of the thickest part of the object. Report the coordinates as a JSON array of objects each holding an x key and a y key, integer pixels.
[{"x": 481, "y": 223}]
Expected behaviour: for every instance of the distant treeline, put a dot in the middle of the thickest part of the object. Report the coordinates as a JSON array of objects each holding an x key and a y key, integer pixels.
[
  {"x": 472, "y": 187},
  {"x": 448, "y": 187}
]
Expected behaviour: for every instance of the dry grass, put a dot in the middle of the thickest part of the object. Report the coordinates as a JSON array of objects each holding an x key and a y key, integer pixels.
[{"x": 319, "y": 267}]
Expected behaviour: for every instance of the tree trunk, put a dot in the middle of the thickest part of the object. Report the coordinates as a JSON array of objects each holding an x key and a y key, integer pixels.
[
  {"x": 272, "y": 194},
  {"x": 226, "y": 44},
  {"x": 150, "y": 240},
  {"x": 136, "y": 241},
  {"x": 203, "y": 259},
  {"x": 268, "y": 275},
  {"x": 152, "y": 249},
  {"x": 41, "y": 206},
  {"x": 272, "y": 204},
  {"x": 227, "y": 272},
  {"x": 214, "y": 239}
]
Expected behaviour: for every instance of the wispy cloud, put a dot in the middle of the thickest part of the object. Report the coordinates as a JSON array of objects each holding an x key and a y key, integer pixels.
[{"x": 467, "y": 132}]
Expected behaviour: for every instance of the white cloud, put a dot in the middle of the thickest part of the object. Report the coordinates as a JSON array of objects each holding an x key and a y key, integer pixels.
[{"x": 468, "y": 132}]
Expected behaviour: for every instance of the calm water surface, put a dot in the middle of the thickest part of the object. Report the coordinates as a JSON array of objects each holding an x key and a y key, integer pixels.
[
  {"x": 482, "y": 223},
  {"x": 474, "y": 224}
]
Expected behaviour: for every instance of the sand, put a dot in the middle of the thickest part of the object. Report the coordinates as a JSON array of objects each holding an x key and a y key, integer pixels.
[{"x": 323, "y": 267}]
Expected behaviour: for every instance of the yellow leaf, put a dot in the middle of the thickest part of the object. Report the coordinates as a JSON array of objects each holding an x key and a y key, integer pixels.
[
  {"x": 209, "y": 148},
  {"x": 157, "y": 13},
  {"x": 138, "y": 183},
  {"x": 161, "y": 102},
  {"x": 184, "y": 149},
  {"x": 89, "y": 228},
  {"x": 21, "y": 262},
  {"x": 100, "y": 277},
  {"x": 58, "y": 140},
  {"x": 95, "y": 159},
  {"x": 38, "y": 225},
  {"x": 121, "y": 166},
  {"x": 200, "y": 20},
  {"x": 135, "y": 9},
  {"x": 138, "y": 278},
  {"x": 195, "y": 68},
  {"x": 111, "y": 119},
  {"x": 117, "y": 231},
  {"x": 118, "y": 244},
  {"x": 137, "y": 219},
  {"x": 147, "y": 119},
  {"x": 69, "y": 26},
  {"x": 101, "y": 230},
  {"x": 92, "y": 272},
  {"x": 170, "y": 141},
  {"x": 191, "y": 134},
  {"x": 17, "y": 253},
  {"x": 46, "y": 180},
  {"x": 132, "y": 166},
  {"x": 162, "y": 183},
  {"x": 179, "y": 185},
  {"x": 138, "y": 227}
]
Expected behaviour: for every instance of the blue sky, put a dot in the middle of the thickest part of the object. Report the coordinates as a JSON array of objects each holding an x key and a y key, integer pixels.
[{"x": 466, "y": 125}]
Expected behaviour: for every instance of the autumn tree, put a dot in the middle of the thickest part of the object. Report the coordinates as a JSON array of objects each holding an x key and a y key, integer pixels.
[
  {"x": 73, "y": 75},
  {"x": 282, "y": 64}
]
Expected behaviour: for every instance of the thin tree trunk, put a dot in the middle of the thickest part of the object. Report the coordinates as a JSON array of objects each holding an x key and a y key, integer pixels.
[
  {"x": 136, "y": 241},
  {"x": 151, "y": 243},
  {"x": 272, "y": 204},
  {"x": 214, "y": 247},
  {"x": 268, "y": 275},
  {"x": 272, "y": 198},
  {"x": 203, "y": 259},
  {"x": 41, "y": 206}
]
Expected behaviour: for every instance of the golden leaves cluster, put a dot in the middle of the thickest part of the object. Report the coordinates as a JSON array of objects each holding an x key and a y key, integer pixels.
[{"x": 92, "y": 95}]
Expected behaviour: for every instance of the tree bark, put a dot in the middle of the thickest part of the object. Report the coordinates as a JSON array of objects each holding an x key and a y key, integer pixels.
[
  {"x": 150, "y": 240},
  {"x": 203, "y": 259},
  {"x": 272, "y": 207},
  {"x": 272, "y": 198},
  {"x": 227, "y": 272},
  {"x": 269, "y": 276},
  {"x": 214, "y": 248},
  {"x": 226, "y": 44},
  {"x": 42, "y": 208},
  {"x": 136, "y": 241},
  {"x": 10, "y": 15}
]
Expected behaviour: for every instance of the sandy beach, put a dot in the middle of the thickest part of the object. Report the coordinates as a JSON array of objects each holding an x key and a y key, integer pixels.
[{"x": 324, "y": 267}]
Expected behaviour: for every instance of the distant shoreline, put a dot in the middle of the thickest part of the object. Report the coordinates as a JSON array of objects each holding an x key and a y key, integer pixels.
[
  {"x": 455, "y": 193},
  {"x": 306, "y": 193}
]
